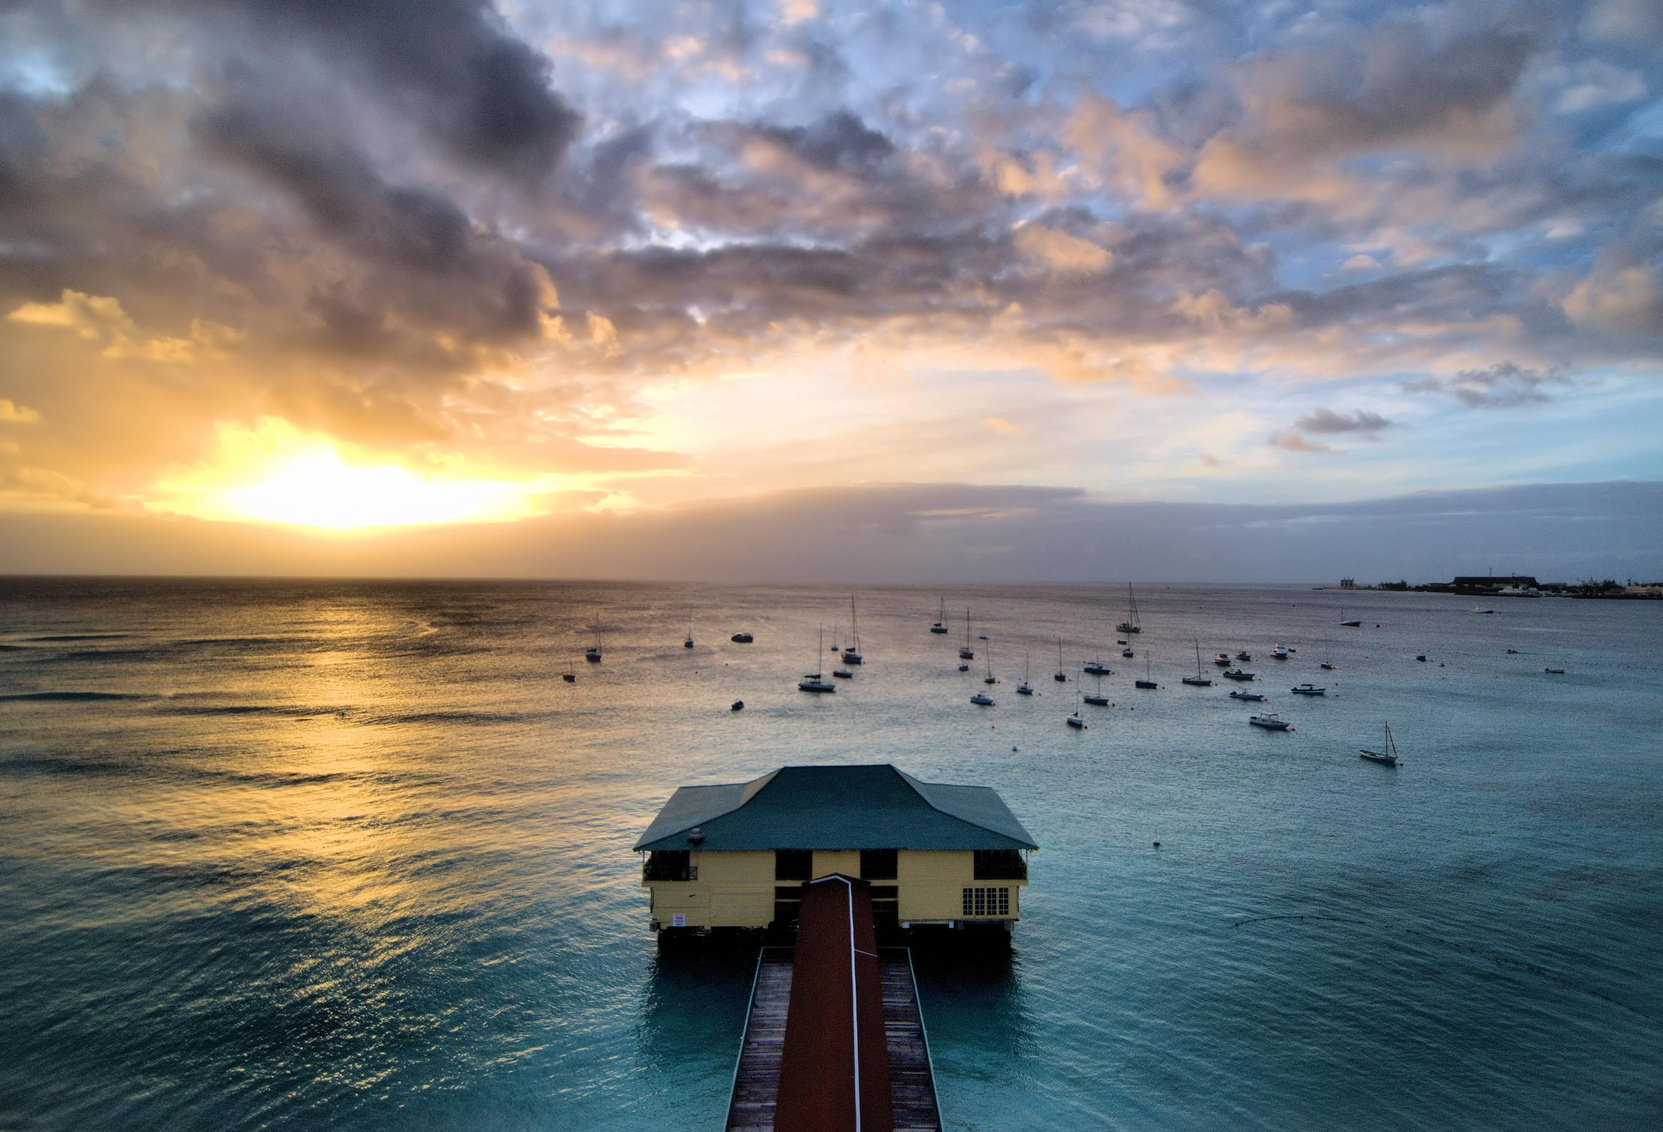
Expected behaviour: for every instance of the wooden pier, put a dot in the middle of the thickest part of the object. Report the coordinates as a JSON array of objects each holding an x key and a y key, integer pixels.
[{"x": 757, "y": 1074}]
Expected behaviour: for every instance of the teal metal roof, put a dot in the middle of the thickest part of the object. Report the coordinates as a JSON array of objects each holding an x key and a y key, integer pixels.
[{"x": 837, "y": 807}]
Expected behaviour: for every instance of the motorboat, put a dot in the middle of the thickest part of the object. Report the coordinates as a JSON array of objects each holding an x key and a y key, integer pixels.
[
  {"x": 1554, "y": 671},
  {"x": 1309, "y": 690},
  {"x": 964, "y": 668},
  {"x": 843, "y": 674},
  {"x": 1222, "y": 660},
  {"x": 1244, "y": 656},
  {"x": 1251, "y": 697},
  {"x": 1280, "y": 652},
  {"x": 1268, "y": 722},
  {"x": 1326, "y": 666},
  {"x": 741, "y": 638},
  {"x": 982, "y": 699},
  {"x": 1237, "y": 674},
  {"x": 1126, "y": 652},
  {"x": 1387, "y": 757}
]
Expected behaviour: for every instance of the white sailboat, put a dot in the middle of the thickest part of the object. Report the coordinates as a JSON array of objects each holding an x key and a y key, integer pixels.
[
  {"x": 1388, "y": 757},
  {"x": 812, "y": 681},
  {"x": 593, "y": 654},
  {"x": 851, "y": 651},
  {"x": 1130, "y": 625},
  {"x": 1198, "y": 680}
]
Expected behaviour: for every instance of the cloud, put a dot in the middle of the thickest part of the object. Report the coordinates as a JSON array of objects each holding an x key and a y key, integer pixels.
[
  {"x": 13, "y": 413},
  {"x": 1060, "y": 252},
  {"x": 1504, "y": 385},
  {"x": 1293, "y": 442},
  {"x": 1626, "y": 300},
  {"x": 1326, "y": 422}
]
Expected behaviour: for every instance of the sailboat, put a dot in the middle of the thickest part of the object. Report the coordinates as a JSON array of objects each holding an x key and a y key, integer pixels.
[
  {"x": 1348, "y": 624},
  {"x": 688, "y": 643},
  {"x": 569, "y": 676},
  {"x": 1388, "y": 757},
  {"x": 811, "y": 681},
  {"x": 967, "y": 653},
  {"x": 1198, "y": 680},
  {"x": 1327, "y": 664},
  {"x": 1024, "y": 688},
  {"x": 1148, "y": 681},
  {"x": 989, "y": 678},
  {"x": 1076, "y": 720},
  {"x": 1060, "y": 677},
  {"x": 1096, "y": 668},
  {"x": 593, "y": 654},
  {"x": 1097, "y": 698},
  {"x": 940, "y": 625},
  {"x": 1130, "y": 625},
  {"x": 851, "y": 651}
]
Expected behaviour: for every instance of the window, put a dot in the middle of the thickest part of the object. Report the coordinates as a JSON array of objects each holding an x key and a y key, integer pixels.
[
  {"x": 987, "y": 902},
  {"x": 793, "y": 864},
  {"x": 999, "y": 864},
  {"x": 669, "y": 864},
  {"x": 877, "y": 864}
]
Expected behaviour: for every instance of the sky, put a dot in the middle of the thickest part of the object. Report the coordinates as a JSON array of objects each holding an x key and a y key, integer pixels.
[{"x": 539, "y": 288}]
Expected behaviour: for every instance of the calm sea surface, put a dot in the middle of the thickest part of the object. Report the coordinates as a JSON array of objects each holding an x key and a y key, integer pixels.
[{"x": 352, "y": 855}]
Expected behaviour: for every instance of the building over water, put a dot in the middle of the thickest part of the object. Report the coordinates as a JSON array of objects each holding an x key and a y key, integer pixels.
[{"x": 737, "y": 855}]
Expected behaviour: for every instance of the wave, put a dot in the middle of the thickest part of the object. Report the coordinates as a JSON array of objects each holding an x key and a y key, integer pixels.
[
  {"x": 479, "y": 717},
  {"x": 74, "y": 697},
  {"x": 55, "y": 637}
]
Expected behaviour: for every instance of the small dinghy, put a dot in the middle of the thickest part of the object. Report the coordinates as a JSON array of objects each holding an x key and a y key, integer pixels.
[{"x": 738, "y": 705}]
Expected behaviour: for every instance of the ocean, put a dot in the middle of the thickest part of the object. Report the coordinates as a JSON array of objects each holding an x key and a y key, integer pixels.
[{"x": 317, "y": 854}]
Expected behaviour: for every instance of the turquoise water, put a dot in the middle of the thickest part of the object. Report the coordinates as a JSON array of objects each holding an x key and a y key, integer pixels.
[{"x": 325, "y": 855}]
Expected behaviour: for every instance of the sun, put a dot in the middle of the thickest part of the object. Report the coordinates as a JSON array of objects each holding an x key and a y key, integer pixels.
[{"x": 274, "y": 474}]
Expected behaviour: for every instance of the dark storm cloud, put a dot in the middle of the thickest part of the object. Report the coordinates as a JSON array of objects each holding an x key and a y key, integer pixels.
[{"x": 452, "y": 66}]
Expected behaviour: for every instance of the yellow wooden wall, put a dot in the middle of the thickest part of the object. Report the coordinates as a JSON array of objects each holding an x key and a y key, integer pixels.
[{"x": 736, "y": 889}]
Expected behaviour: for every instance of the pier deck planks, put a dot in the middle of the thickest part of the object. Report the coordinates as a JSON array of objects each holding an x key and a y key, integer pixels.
[
  {"x": 912, "y": 1079},
  {"x": 756, "y": 1083}
]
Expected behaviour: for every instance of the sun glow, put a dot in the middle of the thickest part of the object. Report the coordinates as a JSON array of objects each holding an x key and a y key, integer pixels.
[{"x": 274, "y": 474}]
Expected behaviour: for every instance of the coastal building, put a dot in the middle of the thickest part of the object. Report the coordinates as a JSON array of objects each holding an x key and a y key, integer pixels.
[{"x": 737, "y": 855}]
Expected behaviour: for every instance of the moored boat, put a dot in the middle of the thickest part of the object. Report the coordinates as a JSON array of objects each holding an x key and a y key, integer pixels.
[
  {"x": 1237, "y": 674},
  {"x": 1268, "y": 722},
  {"x": 1388, "y": 757},
  {"x": 1309, "y": 690}
]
